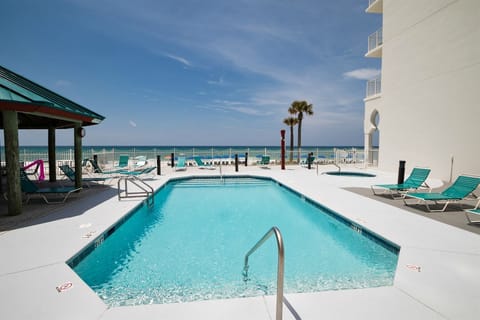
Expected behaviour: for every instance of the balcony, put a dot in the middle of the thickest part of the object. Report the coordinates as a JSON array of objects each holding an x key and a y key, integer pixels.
[
  {"x": 374, "y": 87},
  {"x": 375, "y": 6},
  {"x": 375, "y": 41}
]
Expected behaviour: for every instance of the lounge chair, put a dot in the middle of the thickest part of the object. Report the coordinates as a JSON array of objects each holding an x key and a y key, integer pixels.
[
  {"x": 122, "y": 161},
  {"x": 38, "y": 172},
  {"x": 70, "y": 174},
  {"x": 140, "y": 161},
  {"x": 181, "y": 164},
  {"x": 97, "y": 169},
  {"x": 30, "y": 189},
  {"x": 309, "y": 160},
  {"x": 264, "y": 162},
  {"x": 415, "y": 181},
  {"x": 475, "y": 211},
  {"x": 142, "y": 172},
  {"x": 462, "y": 188},
  {"x": 202, "y": 165}
]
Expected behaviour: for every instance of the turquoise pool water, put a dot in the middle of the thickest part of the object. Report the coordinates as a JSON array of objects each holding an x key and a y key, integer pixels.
[{"x": 191, "y": 245}]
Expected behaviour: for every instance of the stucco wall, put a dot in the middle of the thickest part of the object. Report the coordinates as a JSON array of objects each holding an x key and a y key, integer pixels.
[{"x": 430, "y": 107}]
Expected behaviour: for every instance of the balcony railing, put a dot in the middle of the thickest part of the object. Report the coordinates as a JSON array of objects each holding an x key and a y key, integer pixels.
[
  {"x": 374, "y": 87},
  {"x": 375, "y": 40}
]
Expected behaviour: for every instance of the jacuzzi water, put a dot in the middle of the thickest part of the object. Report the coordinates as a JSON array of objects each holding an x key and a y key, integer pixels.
[
  {"x": 191, "y": 246},
  {"x": 350, "y": 174}
]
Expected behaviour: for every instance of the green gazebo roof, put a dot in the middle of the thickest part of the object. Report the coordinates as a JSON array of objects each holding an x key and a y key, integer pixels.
[{"x": 38, "y": 107}]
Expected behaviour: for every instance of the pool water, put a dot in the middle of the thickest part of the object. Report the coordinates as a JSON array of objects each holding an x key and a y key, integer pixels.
[{"x": 191, "y": 246}]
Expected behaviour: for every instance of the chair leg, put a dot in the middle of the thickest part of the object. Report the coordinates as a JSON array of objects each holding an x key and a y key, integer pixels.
[
  {"x": 470, "y": 221},
  {"x": 437, "y": 210}
]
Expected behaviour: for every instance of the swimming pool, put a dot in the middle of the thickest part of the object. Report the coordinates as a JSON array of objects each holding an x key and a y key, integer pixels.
[{"x": 191, "y": 245}]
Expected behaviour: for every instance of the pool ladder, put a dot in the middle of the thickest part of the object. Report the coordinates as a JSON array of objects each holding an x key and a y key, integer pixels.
[
  {"x": 280, "y": 266},
  {"x": 143, "y": 189}
]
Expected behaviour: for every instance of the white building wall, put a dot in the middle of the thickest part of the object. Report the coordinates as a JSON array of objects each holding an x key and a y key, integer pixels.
[{"x": 430, "y": 101}]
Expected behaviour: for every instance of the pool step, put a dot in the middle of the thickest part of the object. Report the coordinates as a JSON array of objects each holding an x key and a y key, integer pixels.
[{"x": 211, "y": 182}]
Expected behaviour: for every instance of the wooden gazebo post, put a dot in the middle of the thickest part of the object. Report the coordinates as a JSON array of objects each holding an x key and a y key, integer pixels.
[
  {"x": 78, "y": 133},
  {"x": 14, "y": 191},
  {"x": 52, "y": 158}
]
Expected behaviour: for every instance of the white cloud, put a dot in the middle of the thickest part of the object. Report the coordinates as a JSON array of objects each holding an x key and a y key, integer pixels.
[
  {"x": 179, "y": 59},
  {"x": 249, "y": 111},
  {"x": 362, "y": 74},
  {"x": 238, "y": 106}
]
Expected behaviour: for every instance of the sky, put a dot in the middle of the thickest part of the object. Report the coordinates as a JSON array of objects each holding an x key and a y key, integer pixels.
[{"x": 196, "y": 72}]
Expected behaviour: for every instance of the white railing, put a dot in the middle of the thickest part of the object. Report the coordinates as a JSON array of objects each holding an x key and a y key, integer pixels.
[
  {"x": 108, "y": 157},
  {"x": 370, "y": 2},
  {"x": 349, "y": 156},
  {"x": 374, "y": 87},
  {"x": 375, "y": 40}
]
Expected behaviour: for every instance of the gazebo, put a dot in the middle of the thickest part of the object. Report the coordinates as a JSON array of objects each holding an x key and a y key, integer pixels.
[{"x": 27, "y": 105}]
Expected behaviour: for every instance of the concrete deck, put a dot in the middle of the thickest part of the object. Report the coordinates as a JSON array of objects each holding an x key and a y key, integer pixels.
[{"x": 437, "y": 275}]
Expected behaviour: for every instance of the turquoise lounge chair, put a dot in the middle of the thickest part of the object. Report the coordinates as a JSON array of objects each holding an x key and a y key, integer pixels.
[
  {"x": 70, "y": 174},
  {"x": 202, "y": 165},
  {"x": 307, "y": 161},
  {"x": 475, "y": 211},
  {"x": 181, "y": 164},
  {"x": 415, "y": 181},
  {"x": 30, "y": 189},
  {"x": 142, "y": 172},
  {"x": 97, "y": 169},
  {"x": 122, "y": 161},
  {"x": 265, "y": 161},
  {"x": 463, "y": 187}
]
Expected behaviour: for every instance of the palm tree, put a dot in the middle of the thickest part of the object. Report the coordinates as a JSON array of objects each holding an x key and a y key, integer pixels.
[
  {"x": 291, "y": 122},
  {"x": 300, "y": 108}
]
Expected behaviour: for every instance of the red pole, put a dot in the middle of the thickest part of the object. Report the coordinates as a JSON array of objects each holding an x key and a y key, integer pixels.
[{"x": 282, "y": 133}]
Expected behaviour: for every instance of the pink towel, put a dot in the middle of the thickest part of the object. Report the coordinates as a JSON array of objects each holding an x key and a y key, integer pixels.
[{"x": 41, "y": 175}]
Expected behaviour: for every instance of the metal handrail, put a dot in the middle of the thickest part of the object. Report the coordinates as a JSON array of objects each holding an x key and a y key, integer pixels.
[
  {"x": 280, "y": 267},
  {"x": 147, "y": 190}
]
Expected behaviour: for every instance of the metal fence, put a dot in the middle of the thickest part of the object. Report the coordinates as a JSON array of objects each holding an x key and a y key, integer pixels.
[{"x": 108, "y": 157}]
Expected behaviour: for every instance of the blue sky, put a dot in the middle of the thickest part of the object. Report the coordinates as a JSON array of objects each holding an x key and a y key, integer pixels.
[{"x": 211, "y": 72}]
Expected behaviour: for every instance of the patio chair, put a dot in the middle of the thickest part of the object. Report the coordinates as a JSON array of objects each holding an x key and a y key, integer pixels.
[
  {"x": 142, "y": 172},
  {"x": 38, "y": 171},
  {"x": 264, "y": 162},
  {"x": 30, "y": 189},
  {"x": 202, "y": 165},
  {"x": 97, "y": 169},
  {"x": 122, "y": 161},
  {"x": 181, "y": 164},
  {"x": 70, "y": 174},
  {"x": 462, "y": 188},
  {"x": 475, "y": 211},
  {"x": 140, "y": 161},
  {"x": 308, "y": 161},
  {"x": 416, "y": 180}
]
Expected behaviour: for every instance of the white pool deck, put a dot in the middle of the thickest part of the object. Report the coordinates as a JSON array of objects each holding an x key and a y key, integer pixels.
[{"x": 446, "y": 284}]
